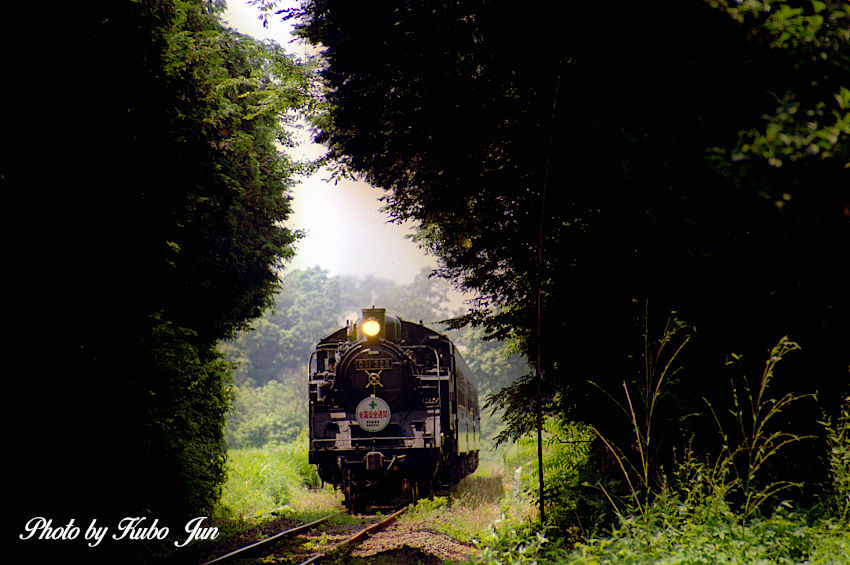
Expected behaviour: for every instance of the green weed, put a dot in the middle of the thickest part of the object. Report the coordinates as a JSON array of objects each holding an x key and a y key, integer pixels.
[
  {"x": 428, "y": 506},
  {"x": 753, "y": 411},
  {"x": 659, "y": 367},
  {"x": 838, "y": 440}
]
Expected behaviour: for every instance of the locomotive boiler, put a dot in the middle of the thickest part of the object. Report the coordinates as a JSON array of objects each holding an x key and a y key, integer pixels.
[{"x": 393, "y": 411}]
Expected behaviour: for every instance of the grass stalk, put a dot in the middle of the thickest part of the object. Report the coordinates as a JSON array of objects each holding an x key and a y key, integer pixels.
[{"x": 757, "y": 445}]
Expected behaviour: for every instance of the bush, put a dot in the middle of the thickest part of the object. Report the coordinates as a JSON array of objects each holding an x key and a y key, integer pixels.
[{"x": 571, "y": 468}]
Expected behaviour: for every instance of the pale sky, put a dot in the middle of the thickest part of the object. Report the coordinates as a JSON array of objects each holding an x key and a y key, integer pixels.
[{"x": 346, "y": 232}]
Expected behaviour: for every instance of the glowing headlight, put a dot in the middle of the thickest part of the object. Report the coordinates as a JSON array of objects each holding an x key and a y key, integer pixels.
[{"x": 371, "y": 328}]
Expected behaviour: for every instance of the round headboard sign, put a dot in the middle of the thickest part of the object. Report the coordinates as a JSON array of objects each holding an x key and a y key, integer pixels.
[{"x": 373, "y": 414}]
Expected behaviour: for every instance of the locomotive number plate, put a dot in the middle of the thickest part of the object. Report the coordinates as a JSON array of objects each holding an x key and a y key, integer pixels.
[{"x": 372, "y": 364}]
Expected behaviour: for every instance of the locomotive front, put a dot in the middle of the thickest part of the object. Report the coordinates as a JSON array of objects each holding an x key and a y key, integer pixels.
[{"x": 376, "y": 424}]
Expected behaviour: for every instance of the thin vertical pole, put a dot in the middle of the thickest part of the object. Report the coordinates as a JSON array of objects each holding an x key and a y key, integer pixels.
[{"x": 539, "y": 331}]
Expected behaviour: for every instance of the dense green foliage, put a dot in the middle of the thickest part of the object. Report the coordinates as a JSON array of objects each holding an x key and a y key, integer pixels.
[
  {"x": 678, "y": 534},
  {"x": 150, "y": 194},
  {"x": 689, "y": 154}
]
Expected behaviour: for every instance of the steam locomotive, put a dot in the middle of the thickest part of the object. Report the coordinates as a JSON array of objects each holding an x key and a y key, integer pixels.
[{"x": 393, "y": 411}]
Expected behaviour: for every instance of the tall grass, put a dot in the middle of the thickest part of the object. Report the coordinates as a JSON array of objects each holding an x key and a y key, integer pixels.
[
  {"x": 658, "y": 368},
  {"x": 262, "y": 480},
  {"x": 467, "y": 510},
  {"x": 741, "y": 462},
  {"x": 838, "y": 440}
]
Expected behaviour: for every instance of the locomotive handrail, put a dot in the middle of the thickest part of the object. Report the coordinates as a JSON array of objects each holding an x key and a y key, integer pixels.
[
  {"x": 320, "y": 381},
  {"x": 439, "y": 395},
  {"x": 438, "y": 377}
]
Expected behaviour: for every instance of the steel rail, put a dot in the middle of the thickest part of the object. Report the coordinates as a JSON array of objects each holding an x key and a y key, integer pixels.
[
  {"x": 284, "y": 533},
  {"x": 356, "y": 537}
]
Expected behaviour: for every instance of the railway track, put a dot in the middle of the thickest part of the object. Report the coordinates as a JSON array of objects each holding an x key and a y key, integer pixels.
[
  {"x": 356, "y": 538},
  {"x": 258, "y": 546},
  {"x": 291, "y": 532}
]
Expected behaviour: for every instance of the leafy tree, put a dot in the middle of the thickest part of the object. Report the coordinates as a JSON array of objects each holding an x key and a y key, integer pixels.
[
  {"x": 807, "y": 121},
  {"x": 494, "y": 363},
  {"x": 151, "y": 197},
  {"x": 278, "y": 346},
  {"x": 274, "y": 413},
  {"x": 643, "y": 143},
  {"x": 425, "y": 299}
]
